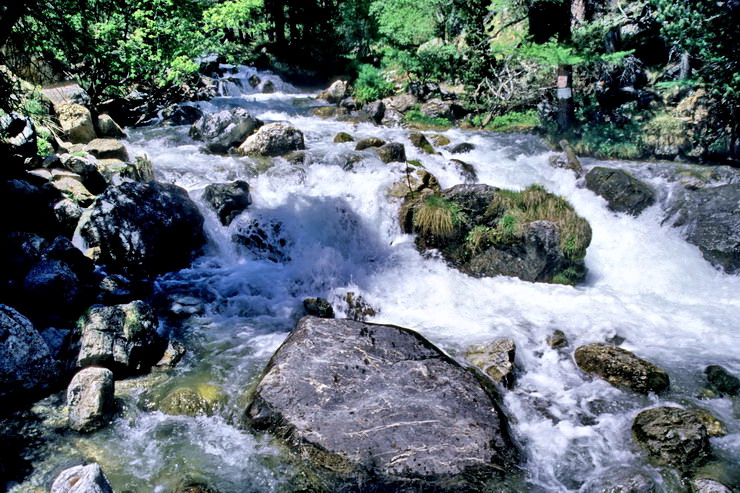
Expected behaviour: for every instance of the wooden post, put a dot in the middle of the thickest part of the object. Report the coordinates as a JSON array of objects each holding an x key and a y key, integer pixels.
[{"x": 566, "y": 112}]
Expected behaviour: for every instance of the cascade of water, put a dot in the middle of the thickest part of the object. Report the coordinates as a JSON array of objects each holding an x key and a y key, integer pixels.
[{"x": 328, "y": 231}]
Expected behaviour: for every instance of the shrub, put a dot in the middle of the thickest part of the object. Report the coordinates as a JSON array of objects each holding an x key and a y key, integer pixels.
[
  {"x": 437, "y": 217},
  {"x": 371, "y": 85}
]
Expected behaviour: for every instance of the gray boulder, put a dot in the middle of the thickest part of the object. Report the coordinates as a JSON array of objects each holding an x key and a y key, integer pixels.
[
  {"x": 672, "y": 436},
  {"x": 707, "y": 485},
  {"x": 376, "y": 110},
  {"x": 90, "y": 399},
  {"x": 335, "y": 93},
  {"x": 274, "y": 139},
  {"x": 82, "y": 479},
  {"x": 76, "y": 122},
  {"x": 144, "y": 229},
  {"x": 393, "y": 152},
  {"x": 181, "y": 114},
  {"x": 621, "y": 479},
  {"x": 495, "y": 358},
  {"x": 107, "y": 127},
  {"x": 401, "y": 103},
  {"x": 462, "y": 148},
  {"x": 436, "y": 108},
  {"x": 228, "y": 199},
  {"x": 107, "y": 149},
  {"x": 368, "y": 143},
  {"x": 26, "y": 365},
  {"x": 621, "y": 368},
  {"x": 122, "y": 338},
  {"x": 358, "y": 398},
  {"x": 225, "y": 129},
  {"x": 711, "y": 220},
  {"x": 622, "y": 191}
]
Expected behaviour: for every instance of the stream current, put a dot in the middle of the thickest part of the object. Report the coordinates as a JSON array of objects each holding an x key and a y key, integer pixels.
[{"x": 334, "y": 230}]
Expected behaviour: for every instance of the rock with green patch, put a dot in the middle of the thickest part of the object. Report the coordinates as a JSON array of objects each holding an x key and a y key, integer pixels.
[
  {"x": 621, "y": 368},
  {"x": 622, "y": 191},
  {"x": 380, "y": 401},
  {"x": 368, "y": 143},
  {"x": 122, "y": 338},
  {"x": 420, "y": 141},
  {"x": 467, "y": 170},
  {"x": 440, "y": 140},
  {"x": 72, "y": 188},
  {"x": 318, "y": 307},
  {"x": 715, "y": 427},
  {"x": 343, "y": 137},
  {"x": 557, "y": 340},
  {"x": 672, "y": 436},
  {"x": 107, "y": 149},
  {"x": 393, "y": 152},
  {"x": 90, "y": 399},
  {"x": 495, "y": 359}
]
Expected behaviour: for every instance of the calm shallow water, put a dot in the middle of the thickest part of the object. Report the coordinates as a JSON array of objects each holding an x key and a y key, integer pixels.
[{"x": 340, "y": 234}]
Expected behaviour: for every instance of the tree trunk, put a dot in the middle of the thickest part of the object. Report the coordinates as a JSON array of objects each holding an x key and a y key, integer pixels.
[{"x": 566, "y": 112}]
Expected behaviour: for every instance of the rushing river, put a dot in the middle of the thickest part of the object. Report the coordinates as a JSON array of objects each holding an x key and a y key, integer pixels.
[{"x": 335, "y": 231}]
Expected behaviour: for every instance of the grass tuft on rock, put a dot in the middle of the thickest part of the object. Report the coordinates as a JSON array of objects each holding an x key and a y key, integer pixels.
[
  {"x": 437, "y": 217},
  {"x": 509, "y": 211}
]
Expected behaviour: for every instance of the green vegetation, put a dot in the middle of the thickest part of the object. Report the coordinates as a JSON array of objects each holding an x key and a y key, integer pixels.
[
  {"x": 417, "y": 118},
  {"x": 437, "y": 217},
  {"x": 516, "y": 121},
  {"x": 371, "y": 85},
  {"x": 570, "y": 276},
  {"x": 510, "y": 211}
]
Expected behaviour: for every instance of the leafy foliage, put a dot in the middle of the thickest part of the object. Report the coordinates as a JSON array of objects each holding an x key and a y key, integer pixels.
[{"x": 371, "y": 85}]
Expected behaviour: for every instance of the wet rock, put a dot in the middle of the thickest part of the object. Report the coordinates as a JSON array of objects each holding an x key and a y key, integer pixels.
[
  {"x": 82, "y": 479},
  {"x": 199, "y": 400},
  {"x": 440, "y": 140},
  {"x": 393, "y": 152},
  {"x": 715, "y": 427},
  {"x": 420, "y": 141},
  {"x": 172, "y": 355},
  {"x": 318, "y": 307},
  {"x": 72, "y": 188},
  {"x": 672, "y": 436},
  {"x": 33, "y": 198},
  {"x": 621, "y": 368},
  {"x": 254, "y": 81},
  {"x": 381, "y": 400},
  {"x": 415, "y": 180},
  {"x": 144, "y": 229},
  {"x": 495, "y": 359},
  {"x": 122, "y": 338},
  {"x": 467, "y": 170},
  {"x": 90, "y": 399},
  {"x": 76, "y": 122},
  {"x": 557, "y": 340},
  {"x": 107, "y": 127},
  {"x": 376, "y": 110},
  {"x": 706, "y": 485},
  {"x": 228, "y": 199},
  {"x": 54, "y": 285},
  {"x": 193, "y": 487},
  {"x": 621, "y": 479},
  {"x": 343, "y": 137},
  {"x": 296, "y": 157},
  {"x": 711, "y": 221},
  {"x": 225, "y": 129},
  {"x": 350, "y": 104},
  {"x": 264, "y": 238},
  {"x": 462, "y": 148},
  {"x": 274, "y": 139},
  {"x": 721, "y": 380},
  {"x": 268, "y": 87},
  {"x": 26, "y": 365},
  {"x": 622, "y": 191},
  {"x": 329, "y": 111},
  {"x": 181, "y": 114},
  {"x": 335, "y": 93},
  {"x": 107, "y": 149},
  {"x": 368, "y": 143}
]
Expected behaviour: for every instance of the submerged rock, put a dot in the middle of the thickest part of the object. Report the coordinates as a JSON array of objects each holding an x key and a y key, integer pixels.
[
  {"x": 228, "y": 199},
  {"x": 90, "y": 399},
  {"x": 463, "y": 148},
  {"x": 82, "y": 479},
  {"x": 711, "y": 220},
  {"x": 420, "y": 142},
  {"x": 274, "y": 139},
  {"x": 225, "y": 129},
  {"x": 198, "y": 400},
  {"x": 318, "y": 307},
  {"x": 622, "y": 191},
  {"x": 26, "y": 364},
  {"x": 621, "y": 479},
  {"x": 621, "y": 368},
  {"x": 722, "y": 381},
  {"x": 144, "y": 229},
  {"x": 122, "y": 338},
  {"x": 368, "y": 143},
  {"x": 358, "y": 398},
  {"x": 672, "y": 436},
  {"x": 496, "y": 359}
]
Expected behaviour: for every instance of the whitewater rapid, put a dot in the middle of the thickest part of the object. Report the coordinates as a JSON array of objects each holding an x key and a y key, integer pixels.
[{"x": 340, "y": 232}]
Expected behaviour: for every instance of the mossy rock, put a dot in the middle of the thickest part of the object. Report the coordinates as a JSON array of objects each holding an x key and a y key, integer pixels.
[
  {"x": 342, "y": 137},
  {"x": 420, "y": 142},
  {"x": 201, "y": 399},
  {"x": 440, "y": 140}
]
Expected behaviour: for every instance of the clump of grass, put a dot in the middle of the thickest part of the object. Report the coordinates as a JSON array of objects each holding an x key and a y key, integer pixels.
[
  {"x": 437, "y": 217},
  {"x": 511, "y": 211},
  {"x": 570, "y": 276},
  {"x": 515, "y": 122},
  {"x": 416, "y": 116}
]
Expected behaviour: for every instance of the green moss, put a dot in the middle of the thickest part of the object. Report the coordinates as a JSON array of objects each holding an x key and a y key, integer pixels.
[
  {"x": 569, "y": 277},
  {"x": 510, "y": 211},
  {"x": 419, "y": 120},
  {"x": 610, "y": 141},
  {"x": 516, "y": 121}
]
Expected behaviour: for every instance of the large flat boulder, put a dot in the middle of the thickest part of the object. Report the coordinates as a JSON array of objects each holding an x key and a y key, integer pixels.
[
  {"x": 145, "y": 229},
  {"x": 225, "y": 129},
  {"x": 274, "y": 139},
  {"x": 380, "y": 400}
]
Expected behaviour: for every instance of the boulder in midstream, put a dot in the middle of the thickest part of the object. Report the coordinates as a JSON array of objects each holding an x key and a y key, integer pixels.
[{"x": 621, "y": 368}]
